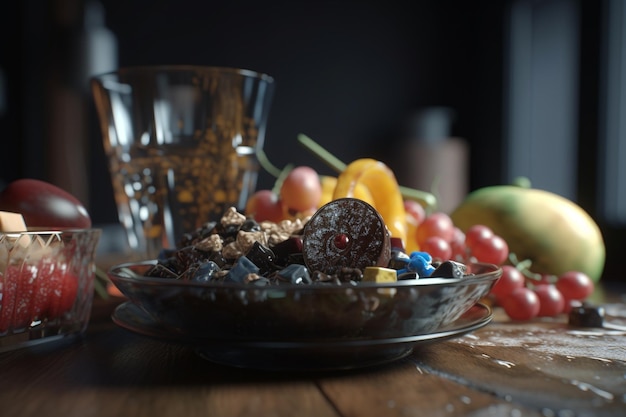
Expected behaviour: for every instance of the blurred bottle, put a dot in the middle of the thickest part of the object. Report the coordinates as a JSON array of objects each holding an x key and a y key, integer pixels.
[
  {"x": 97, "y": 45},
  {"x": 91, "y": 48},
  {"x": 432, "y": 160}
]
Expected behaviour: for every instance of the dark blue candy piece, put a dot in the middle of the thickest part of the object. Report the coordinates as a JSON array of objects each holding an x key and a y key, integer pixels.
[
  {"x": 296, "y": 274},
  {"x": 205, "y": 272},
  {"x": 260, "y": 282},
  {"x": 242, "y": 268}
]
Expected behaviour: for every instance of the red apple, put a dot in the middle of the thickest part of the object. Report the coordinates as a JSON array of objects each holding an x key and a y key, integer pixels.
[{"x": 44, "y": 205}]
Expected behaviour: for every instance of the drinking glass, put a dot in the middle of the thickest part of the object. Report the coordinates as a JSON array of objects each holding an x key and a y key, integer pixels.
[{"x": 181, "y": 144}]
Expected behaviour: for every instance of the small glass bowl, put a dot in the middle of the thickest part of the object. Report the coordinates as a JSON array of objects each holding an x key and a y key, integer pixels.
[{"x": 46, "y": 285}]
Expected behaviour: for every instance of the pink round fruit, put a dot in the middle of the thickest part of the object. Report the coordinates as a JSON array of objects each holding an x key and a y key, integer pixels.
[{"x": 44, "y": 205}]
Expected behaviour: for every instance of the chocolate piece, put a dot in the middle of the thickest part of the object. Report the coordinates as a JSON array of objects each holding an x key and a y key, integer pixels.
[
  {"x": 285, "y": 249},
  {"x": 586, "y": 315},
  {"x": 449, "y": 269},
  {"x": 262, "y": 257},
  {"x": 346, "y": 232},
  {"x": 399, "y": 260}
]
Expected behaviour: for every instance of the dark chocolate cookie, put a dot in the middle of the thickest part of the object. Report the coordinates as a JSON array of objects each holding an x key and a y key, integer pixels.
[{"x": 345, "y": 233}]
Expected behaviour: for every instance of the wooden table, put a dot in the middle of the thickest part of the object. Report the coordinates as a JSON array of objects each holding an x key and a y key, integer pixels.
[{"x": 538, "y": 368}]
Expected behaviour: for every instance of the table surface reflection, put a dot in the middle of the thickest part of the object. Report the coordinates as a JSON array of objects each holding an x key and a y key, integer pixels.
[{"x": 539, "y": 368}]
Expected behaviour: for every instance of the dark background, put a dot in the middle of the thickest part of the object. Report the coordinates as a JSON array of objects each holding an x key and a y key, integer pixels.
[{"x": 349, "y": 74}]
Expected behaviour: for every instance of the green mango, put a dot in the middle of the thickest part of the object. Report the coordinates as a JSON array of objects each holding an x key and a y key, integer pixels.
[{"x": 555, "y": 234}]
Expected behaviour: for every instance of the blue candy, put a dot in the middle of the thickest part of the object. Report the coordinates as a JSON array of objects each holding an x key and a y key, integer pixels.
[
  {"x": 241, "y": 270},
  {"x": 205, "y": 272},
  {"x": 420, "y": 263}
]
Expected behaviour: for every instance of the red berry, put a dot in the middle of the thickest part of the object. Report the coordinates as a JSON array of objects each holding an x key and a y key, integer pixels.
[
  {"x": 264, "y": 205},
  {"x": 521, "y": 304},
  {"x": 575, "y": 285},
  {"x": 551, "y": 301},
  {"x": 437, "y": 224},
  {"x": 416, "y": 210},
  {"x": 476, "y": 233},
  {"x": 493, "y": 250},
  {"x": 438, "y": 248},
  {"x": 511, "y": 279}
]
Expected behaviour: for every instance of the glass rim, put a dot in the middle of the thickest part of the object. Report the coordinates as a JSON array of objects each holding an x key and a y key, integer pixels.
[
  {"x": 152, "y": 69},
  {"x": 124, "y": 273},
  {"x": 51, "y": 230}
]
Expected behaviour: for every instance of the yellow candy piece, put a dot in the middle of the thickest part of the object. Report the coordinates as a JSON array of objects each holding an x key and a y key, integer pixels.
[
  {"x": 379, "y": 274},
  {"x": 383, "y": 187}
]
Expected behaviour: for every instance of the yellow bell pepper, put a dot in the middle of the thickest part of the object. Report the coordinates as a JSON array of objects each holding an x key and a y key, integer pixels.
[
  {"x": 411, "y": 244},
  {"x": 383, "y": 187},
  {"x": 328, "y": 188}
]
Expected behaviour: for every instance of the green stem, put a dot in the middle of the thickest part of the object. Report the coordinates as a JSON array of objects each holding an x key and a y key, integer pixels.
[
  {"x": 267, "y": 165},
  {"x": 280, "y": 178},
  {"x": 428, "y": 200},
  {"x": 326, "y": 157}
]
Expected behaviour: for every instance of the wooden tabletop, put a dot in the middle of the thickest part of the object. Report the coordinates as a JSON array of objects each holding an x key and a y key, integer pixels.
[{"x": 538, "y": 368}]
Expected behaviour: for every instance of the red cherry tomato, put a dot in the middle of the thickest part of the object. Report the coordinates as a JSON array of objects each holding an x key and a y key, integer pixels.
[
  {"x": 301, "y": 190},
  {"x": 575, "y": 285},
  {"x": 264, "y": 205},
  {"x": 492, "y": 250},
  {"x": 437, "y": 224},
  {"x": 477, "y": 233},
  {"x": 44, "y": 205},
  {"x": 551, "y": 301},
  {"x": 416, "y": 210},
  {"x": 438, "y": 248},
  {"x": 511, "y": 279},
  {"x": 521, "y": 304}
]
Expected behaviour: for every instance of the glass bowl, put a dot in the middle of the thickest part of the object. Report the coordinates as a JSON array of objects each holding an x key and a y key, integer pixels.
[
  {"x": 46, "y": 285},
  {"x": 230, "y": 316}
]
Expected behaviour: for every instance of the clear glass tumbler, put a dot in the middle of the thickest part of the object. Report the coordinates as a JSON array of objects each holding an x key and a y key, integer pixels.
[{"x": 181, "y": 142}]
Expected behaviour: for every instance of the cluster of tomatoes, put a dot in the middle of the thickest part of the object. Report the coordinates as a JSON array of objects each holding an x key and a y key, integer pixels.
[{"x": 521, "y": 293}]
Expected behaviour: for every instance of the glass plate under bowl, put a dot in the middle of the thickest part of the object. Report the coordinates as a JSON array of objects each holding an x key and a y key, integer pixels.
[
  {"x": 312, "y": 355},
  {"x": 244, "y": 313}
]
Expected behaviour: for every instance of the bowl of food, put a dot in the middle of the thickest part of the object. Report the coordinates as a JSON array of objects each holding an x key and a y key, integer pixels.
[
  {"x": 47, "y": 264},
  {"x": 46, "y": 283},
  {"x": 328, "y": 288}
]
